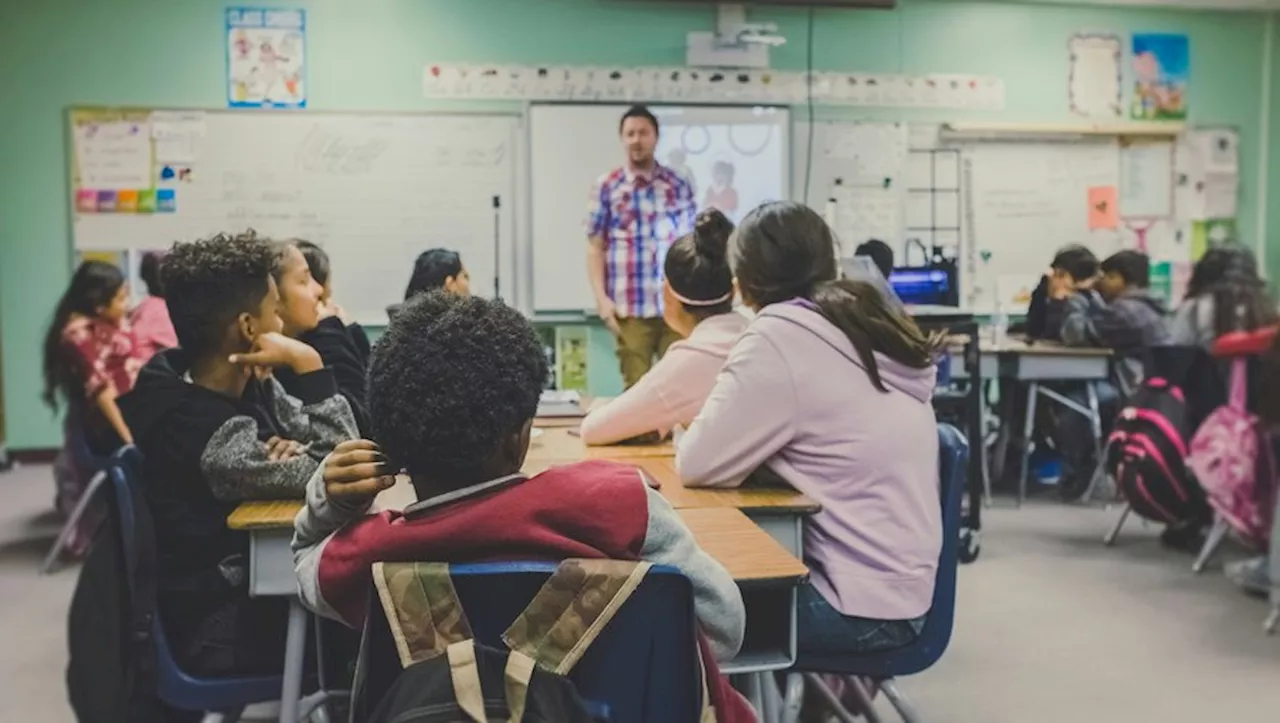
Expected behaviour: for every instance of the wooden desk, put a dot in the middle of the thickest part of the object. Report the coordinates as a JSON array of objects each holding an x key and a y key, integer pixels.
[
  {"x": 742, "y": 547},
  {"x": 557, "y": 444},
  {"x": 779, "y": 511},
  {"x": 765, "y": 571}
]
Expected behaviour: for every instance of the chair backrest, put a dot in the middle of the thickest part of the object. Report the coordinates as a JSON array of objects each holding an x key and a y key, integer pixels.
[
  {"x": 953, "y": 461},
  {"x": 643, "y": 667},
  {"x": 173, "y": 686}
]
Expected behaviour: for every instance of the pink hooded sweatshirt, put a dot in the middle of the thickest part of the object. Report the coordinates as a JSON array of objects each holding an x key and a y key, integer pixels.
[
  {"x": 794, "y": 396},
  {"x": 674, "y": 389}
]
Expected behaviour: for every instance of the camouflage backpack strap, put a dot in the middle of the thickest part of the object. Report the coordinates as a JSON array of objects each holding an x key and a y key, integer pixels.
[
  {"x": 422, "y": 608},
  {"x": 563, "y": 619},
  {"x": 571, "y": 609}
]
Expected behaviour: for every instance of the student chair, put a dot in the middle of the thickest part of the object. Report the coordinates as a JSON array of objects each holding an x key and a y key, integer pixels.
[
  {"x": 82, "y": 458},
  {"x": 642, "y": 669},
  {"x": 953, "y": 458},
  {"x": 226, "y": 698}
]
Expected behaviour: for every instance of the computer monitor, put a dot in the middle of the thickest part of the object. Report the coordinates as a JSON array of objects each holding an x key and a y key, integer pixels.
[
  {"x": 923, "y": 286},
  {"x": 861, "y": 268}
]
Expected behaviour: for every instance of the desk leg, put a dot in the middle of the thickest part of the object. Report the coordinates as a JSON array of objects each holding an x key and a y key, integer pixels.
[
  {"x": 1095, "y": 417},
  {"x": 295, "y": 648},
  {"x": 751, "y": 689},
  {"x": 1028, "y": 430}
]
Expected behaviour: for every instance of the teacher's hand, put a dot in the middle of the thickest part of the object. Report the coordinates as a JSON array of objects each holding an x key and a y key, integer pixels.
[{"x": 608, "y": 313}]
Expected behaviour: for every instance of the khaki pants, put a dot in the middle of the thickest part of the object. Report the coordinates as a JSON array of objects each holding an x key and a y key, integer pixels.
[{"x": 640, "y": 343}]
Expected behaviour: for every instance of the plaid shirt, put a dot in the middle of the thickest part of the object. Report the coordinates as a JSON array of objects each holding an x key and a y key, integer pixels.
[{"x": 639, "y": 218}]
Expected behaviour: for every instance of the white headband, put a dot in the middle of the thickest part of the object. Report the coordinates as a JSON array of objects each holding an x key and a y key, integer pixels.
[{"x": 697, "y": 302}]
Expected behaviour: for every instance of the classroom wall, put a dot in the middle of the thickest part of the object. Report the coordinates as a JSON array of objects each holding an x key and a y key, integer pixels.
[{"x": 369, "y": 56}]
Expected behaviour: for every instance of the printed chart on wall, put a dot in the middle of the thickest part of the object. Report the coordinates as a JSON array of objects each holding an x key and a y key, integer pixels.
[{"x": 266, "y": 58}]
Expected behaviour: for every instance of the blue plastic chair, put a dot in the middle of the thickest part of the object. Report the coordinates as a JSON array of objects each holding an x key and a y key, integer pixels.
[
  {"x": 953, "y": 459},
  {"x": 642, "y": 669},
  {"x": 177, "y": 689},
  {"x": 84, "y": 459}
]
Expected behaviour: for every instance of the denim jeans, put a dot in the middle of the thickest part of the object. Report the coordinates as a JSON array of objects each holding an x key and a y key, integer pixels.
[{"x": 821, "y": 630}]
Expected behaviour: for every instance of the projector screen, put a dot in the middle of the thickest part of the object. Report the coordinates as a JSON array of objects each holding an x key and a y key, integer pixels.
[{"x": 736, "y": 157}]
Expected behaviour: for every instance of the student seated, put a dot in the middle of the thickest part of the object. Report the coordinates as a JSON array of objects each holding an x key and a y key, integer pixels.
[
  {"x": 1118, "y": 313},
  {"x": 90, "y": 359},
  {"x": 304, "y": 316},
  {"x": 831, "y": 390},
  {"x": 322, "y": 271},
  {"x": 879, "y": 253},
  {"x": 697, "y": 305},
  {"x": 436, "y": 270},
  {"x": 453, "y": 391},
  {"x": 216, "y": 429},
  {"x": 152, "y": 330},
  {"x": 1225, "y": 294},
  {"x": 1073, "y": 266}
]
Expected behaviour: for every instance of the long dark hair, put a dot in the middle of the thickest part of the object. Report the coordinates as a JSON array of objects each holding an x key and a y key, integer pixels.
[
  {"x": 1228, "y": 274},
  {"x": 697, "y": 266},
  {"x": 786, "y": 251},
  {"x": 431, "y": 270},
  {"x": 93, "y": 286}
]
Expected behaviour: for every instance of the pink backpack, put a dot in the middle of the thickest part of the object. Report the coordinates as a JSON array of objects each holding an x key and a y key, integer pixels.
[{"x": 1232, "y": 459}]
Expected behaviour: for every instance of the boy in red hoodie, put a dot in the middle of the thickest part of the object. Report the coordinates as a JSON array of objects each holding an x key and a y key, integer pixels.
[{"x": 453, "y": 389}]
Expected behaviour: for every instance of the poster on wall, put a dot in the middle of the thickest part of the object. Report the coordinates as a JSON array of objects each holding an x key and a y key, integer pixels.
[
  {"x": 1094, "y": 82},
  {"x": 1161, "y": 70},
  {"x": 266, "y": 58}
]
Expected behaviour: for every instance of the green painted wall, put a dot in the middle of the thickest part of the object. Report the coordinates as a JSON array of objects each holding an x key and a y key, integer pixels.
[{"x": 369, "y": 55}]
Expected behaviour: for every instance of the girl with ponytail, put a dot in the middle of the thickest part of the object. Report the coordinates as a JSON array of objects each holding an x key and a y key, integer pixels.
[
  {"x": 698, "y": 305},
  {"x": 830, "y": 388}
]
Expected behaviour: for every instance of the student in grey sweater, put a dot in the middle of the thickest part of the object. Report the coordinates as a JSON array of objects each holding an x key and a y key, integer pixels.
[{"x": 215, "y": 429}]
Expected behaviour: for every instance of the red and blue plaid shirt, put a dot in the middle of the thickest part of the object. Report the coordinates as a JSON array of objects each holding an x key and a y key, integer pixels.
[{"x": 639, "y": 218}]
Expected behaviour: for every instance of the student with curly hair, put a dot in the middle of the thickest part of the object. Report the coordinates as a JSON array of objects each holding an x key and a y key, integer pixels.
[
  {"x": 215, "y": 430},
  {"x": 453, "y": 391}
]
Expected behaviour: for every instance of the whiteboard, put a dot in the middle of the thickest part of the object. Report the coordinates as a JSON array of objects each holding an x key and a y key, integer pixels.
[
  {"x": 1025, "y": 201},
  {"x": 374, "y": 190},
  {"x": 856, "y": 176},
  {"x": 573, "y": 145}
]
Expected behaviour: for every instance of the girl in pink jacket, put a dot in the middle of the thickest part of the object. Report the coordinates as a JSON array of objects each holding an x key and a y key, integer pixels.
[
  {"x": 831, "y": 389},
  {"x": 697, "y": 305}
]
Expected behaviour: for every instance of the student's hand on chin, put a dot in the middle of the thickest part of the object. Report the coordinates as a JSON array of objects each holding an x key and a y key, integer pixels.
[
  {"x": 273, "y": 349},
  {"x": 356, "y": 472}
]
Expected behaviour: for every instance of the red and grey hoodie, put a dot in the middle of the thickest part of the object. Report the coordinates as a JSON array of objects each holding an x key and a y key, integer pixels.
[{"x": 593, "y": 509}]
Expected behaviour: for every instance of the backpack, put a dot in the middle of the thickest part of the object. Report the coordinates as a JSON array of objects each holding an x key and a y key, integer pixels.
[
  {"x": 446, "y": 676},
  {"x": 1231, "y": 457},
  {"x": 1145, "y": 454},
  {"x": 111, "y": 668}
]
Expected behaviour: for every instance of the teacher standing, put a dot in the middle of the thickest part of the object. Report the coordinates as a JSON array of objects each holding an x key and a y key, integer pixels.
[{"x": 636, "y": 213}]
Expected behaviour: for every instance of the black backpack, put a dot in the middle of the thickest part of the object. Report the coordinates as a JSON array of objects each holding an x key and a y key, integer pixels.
[
  {"x": 443, "y": 675},
  {"x": 111, "y": 667},
  {"x": 1146, "y": 455}
]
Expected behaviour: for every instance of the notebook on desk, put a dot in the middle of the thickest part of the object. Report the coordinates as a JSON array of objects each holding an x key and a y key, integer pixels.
[{"x": 560, "y": 405}]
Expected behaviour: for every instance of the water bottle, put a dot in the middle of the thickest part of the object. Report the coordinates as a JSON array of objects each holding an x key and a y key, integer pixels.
[{"x": 1001, "y": 323}]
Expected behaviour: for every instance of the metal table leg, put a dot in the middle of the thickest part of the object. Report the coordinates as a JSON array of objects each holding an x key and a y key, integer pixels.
[
  {"x": 295, "y": 649},
  {"x": 1028, "y": 430}
]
